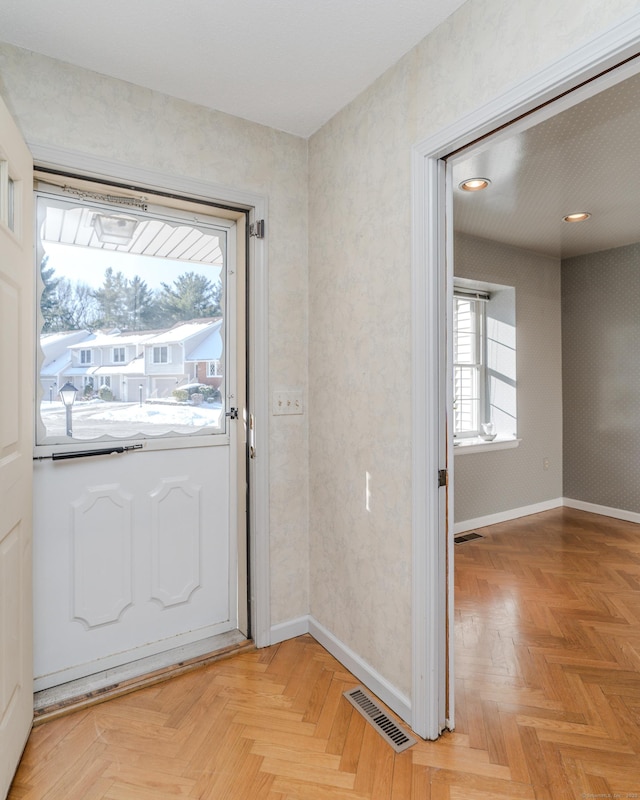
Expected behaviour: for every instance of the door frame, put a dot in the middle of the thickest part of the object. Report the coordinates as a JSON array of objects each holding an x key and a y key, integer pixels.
[
  {"x": 256, "y": 205},
  {"x": 432, "y": 279}
]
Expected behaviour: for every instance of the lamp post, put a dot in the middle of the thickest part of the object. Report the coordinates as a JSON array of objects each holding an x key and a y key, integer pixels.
[
  {"x": 68, "y": 396},
  {"x": 140, "y": 394}
]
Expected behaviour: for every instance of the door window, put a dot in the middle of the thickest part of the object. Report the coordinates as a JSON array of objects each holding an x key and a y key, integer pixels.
[{"x": 132, "y": 315}]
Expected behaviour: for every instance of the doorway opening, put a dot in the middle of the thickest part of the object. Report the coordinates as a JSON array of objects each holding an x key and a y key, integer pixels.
[
  {"x": 566, "y": 83},
  {"x": 141, "y": 460}
]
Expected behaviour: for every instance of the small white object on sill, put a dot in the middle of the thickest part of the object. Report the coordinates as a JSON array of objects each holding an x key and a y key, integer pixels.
[{"x": 478, "y": 444}]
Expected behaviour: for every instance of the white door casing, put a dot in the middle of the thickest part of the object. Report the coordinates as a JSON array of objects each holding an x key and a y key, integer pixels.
[
  {"x": 257, "y": 323},
  {"x": 16, "y": 408}
]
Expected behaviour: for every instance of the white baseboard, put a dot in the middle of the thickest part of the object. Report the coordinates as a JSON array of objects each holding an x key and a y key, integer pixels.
[
  {"x": 593, "y": 508},
  {"x": 289, "y": 629},
  {"x": 505, "y": 516},
  {"x": 381, "y": 687},
  {"x": 547, "y": 505}
]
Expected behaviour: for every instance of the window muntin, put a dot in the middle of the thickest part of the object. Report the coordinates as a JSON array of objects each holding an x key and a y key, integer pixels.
[
  {"x": 214, "y": 368},
  {"x": 119, "y": 280}
]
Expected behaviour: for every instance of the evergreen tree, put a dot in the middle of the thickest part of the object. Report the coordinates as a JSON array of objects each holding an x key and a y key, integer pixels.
[
  {"x": 142, "y": 310},
  {"x": 48, "y": 298},
  {"x": 112, "y": 300},
  {"x": 192, "y": 296}
]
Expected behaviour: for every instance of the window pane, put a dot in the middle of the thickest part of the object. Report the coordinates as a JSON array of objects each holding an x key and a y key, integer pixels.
[
  {"x": 465, "y": 332},
  {"x": 466, "y": 399},
  {"x": 132, "y": 315}
]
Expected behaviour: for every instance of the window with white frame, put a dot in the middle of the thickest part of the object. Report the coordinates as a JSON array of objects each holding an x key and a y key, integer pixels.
[
  {"x": 214, "y": 369},
  {"x": 114, "y": 301},
  {"x": 469, "y": 357},
  {"x": 161, "y": 355},
  {"x": 484, "y": 371}
]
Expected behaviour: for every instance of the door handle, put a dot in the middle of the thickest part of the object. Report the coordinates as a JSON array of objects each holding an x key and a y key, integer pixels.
[{"x": 252, "y": 437}]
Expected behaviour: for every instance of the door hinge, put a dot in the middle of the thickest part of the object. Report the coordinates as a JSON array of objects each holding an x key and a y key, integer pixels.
[
  {"x": 257, "y": 229},
  {"x": 442, "y": 477},
  {"x": 232, "y": 413}
]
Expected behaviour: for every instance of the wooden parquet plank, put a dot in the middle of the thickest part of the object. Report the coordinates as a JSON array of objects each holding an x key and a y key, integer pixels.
[
  {"x": 160, "y": 780},
  {"x": 302, "y": 790},
  {"x": 350, "y": 756},
  {"x": 332, "y": 700},
  {"x": 547, "y": 631},
  {"x": 402, "y": 777}
]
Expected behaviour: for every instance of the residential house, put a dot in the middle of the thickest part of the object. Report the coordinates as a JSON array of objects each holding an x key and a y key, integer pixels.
[
  {"x": 57, "y": 359},
  {"x": 134, "y": 365}
]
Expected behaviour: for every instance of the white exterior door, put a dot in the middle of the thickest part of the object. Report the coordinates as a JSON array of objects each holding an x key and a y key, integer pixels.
[
  {"x": 136, "y": 552},
  {"x": 16, "y": 441}
]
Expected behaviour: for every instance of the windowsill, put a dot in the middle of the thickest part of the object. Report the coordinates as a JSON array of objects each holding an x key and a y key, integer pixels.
[{"x": 477, "y": 444}]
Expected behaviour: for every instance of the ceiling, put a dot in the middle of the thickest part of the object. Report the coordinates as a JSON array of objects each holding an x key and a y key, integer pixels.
[
  {"x": 293, "y": 64},
  {"x": 288, "y": 64},
  {"x": 586, "y": 158}
]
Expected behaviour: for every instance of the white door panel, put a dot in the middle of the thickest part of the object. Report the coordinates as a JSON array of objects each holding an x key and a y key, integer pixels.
[
  {"x": 132, "y": 557},
  {"x": 16, "y": 353}
]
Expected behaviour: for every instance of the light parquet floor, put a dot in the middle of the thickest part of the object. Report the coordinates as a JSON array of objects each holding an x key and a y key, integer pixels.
[{"x": 548, "y": 698}]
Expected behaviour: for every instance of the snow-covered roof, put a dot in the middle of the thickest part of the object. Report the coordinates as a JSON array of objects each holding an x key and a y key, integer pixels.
[
  {"x": 55, "y": 367},
  {"x": 134, "y": 367},
  {"x": 113, "y": 339},
  {"x": 55, "y": 345},
  {"x": 80, "y": 370},
  {"x": 209, "y": 349},
  {"x": 183, "y": 331}
]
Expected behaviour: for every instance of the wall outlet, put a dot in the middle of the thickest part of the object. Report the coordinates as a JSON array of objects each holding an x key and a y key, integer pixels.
[{"x": 288, "y": 402}]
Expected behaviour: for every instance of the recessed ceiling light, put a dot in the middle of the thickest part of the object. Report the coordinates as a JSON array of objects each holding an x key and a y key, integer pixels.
[
  {"x": 578, "y": 216},
  {"x": 474, "y": 184}
]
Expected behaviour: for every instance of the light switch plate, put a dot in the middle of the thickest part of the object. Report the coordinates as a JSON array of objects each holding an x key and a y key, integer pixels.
[{"x": 288, "y": 402}]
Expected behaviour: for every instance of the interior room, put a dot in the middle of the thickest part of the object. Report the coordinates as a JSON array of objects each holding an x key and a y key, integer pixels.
[
  {"x": 308, "y": 168},
  {"x": 574, "y": 310}
]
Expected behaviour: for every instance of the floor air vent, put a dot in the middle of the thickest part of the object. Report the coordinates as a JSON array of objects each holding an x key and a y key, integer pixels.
[
  {"x": 375, "y": 716},
  {"x": 466, "y": 537}
]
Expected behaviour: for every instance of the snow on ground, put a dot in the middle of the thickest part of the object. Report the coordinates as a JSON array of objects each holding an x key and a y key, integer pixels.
[
  {"x": 94, "y": 418},
  {"x": 157, "y": 414}
]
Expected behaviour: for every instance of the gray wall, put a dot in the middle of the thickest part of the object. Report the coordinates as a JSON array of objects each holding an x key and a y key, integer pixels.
[
  {"x": 489, "y": 483},
  {"x": 601, "y": 377}
]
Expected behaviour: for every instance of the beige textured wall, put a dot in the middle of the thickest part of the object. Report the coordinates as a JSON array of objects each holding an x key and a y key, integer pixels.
[
  {"x": 359, "y": 303},
  {"x": 57, "y": 104},
  {"x": 487, "y": 483}
]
